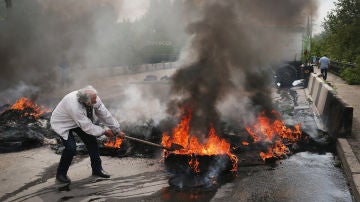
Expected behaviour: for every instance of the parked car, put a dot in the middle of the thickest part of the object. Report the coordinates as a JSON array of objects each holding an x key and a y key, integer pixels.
[
  {"x": 165, "y": 78},
  {"x": 150, "y": 78}
]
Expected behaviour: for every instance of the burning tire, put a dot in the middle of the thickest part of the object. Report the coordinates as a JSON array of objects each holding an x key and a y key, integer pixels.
[
  {"x": 197, "y": 164},
  {"x": 198, "y": 171}
]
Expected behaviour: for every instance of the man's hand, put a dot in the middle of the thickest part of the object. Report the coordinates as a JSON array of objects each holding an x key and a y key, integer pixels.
[
  {"x": 108, "y": 133},
  {"x": 121, "y": 135}
]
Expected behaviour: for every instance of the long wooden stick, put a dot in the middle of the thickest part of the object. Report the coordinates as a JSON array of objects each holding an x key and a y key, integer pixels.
[{"x": 175, "y": 147}]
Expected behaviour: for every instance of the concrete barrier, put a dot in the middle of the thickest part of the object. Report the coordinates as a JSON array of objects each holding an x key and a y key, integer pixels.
[
  {"x": 311, "y": 88},
  {"x": 318, "y": 85},
  {"x": 336, "y": 115},
  {"x": 311, "y": 81},
  {"x": 323, "y": 96},
  {"x": 100, "y": 72}
]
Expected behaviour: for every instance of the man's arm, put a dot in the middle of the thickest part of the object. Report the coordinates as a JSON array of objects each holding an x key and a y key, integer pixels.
[{"x": 105, "y": 116}]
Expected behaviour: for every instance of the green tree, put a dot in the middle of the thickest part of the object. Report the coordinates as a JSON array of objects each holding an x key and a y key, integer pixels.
[
  {"x": 342, "y": 31},
  {"x": 341, "y": 38}
]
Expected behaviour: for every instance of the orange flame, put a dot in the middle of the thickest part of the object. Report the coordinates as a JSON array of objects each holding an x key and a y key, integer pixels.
[
  {"x": 194, "y": 164},
  {"x": 213, "y": 146},
  {"x": 25, "y": 103},
  {"x": 274, "y": 133},
  {"x": 113, "y": 143},
  {"x": 245, "y": 143}
]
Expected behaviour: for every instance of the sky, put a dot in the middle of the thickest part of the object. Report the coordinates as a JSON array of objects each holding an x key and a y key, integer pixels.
[{"x": 324, "y": 7}]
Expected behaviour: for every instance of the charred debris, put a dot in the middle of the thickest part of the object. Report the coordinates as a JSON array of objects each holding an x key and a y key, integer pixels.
[{"x": 22, "y": 129}]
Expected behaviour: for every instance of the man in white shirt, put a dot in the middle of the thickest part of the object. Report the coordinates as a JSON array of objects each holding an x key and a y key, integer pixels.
[
  {"x": 75, "y": 114},
  {"x": 324, "y": 63}
]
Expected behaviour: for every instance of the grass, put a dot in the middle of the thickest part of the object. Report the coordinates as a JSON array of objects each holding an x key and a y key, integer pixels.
[{"x": 351, "y": 75}]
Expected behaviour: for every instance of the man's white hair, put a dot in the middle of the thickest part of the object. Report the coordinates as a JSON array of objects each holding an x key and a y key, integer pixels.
[{"x": 84, "y": 94}]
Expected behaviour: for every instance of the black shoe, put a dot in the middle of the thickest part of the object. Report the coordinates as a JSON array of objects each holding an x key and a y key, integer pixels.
[
  {"x": 63, "y": 178},
  {"x": 101, "y": 173}
]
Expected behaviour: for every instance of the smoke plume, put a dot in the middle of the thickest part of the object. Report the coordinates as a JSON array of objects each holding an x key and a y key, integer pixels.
[
  {"x": 233, "y": 44},
  {"x": 38, "y": 38},
  {"x": 55, "y": 46}
]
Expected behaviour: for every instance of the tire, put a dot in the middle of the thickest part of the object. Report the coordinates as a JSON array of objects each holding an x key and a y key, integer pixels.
[{"x": 286, "y": 75}]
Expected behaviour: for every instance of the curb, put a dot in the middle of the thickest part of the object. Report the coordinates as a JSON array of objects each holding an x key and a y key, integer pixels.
[{"x": 351, "y": 166}]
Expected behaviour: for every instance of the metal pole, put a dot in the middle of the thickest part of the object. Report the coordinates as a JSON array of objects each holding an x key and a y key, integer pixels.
[{"x": 8, "y": 3}]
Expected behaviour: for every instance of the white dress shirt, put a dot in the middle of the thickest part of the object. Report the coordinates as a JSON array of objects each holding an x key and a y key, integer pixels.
[{"x": 69, "y": 114}]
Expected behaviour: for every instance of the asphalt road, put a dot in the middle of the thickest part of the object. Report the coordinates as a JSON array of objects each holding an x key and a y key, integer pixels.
[{"x": 304, "y": 176}]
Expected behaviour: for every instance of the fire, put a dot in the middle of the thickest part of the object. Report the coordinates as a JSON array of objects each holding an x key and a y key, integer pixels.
[
  {"x": 30, "y": 108},
  {"x": 113, "y": 143},
  {"x": 274, "y": 133},
  {"x": 194, "y": 164},
  {"x": 245, "y": 143},
  {"x": 181, "y": 135}
]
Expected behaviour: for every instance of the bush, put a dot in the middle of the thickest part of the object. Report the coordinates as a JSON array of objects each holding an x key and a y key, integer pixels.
[{"x": 351, "y": 75}]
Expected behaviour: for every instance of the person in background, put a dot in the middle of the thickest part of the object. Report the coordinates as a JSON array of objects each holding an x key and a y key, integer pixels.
[
  {"x": 324, "y": 64},
  {"x": 314, "y": 60},
  {"x": 75, "y": 115}
]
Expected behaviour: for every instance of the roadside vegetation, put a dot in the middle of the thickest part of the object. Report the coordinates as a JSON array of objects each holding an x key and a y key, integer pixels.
[{"x": 340, "y": 39}]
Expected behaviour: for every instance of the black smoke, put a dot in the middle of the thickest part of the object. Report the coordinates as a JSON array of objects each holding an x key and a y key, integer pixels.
[{"x": 233, "y": 42}]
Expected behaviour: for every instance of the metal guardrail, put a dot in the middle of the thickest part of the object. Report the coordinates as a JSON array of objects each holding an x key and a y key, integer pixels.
[{"x": 338, "y": 67}]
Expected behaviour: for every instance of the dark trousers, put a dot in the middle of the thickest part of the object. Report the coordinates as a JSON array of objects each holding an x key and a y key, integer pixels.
[
  {"x": 70, "y": 151},
  {"x": 324, "y": 73}
]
